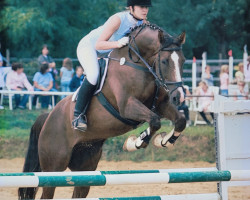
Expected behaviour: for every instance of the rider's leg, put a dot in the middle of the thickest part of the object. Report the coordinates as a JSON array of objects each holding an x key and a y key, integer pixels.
[
  {"x": 84, "y": 96},
  {"x": 88, "y": 58}
]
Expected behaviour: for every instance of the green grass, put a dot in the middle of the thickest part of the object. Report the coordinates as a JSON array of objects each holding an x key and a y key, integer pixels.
[{"x": 195, "y": 144}]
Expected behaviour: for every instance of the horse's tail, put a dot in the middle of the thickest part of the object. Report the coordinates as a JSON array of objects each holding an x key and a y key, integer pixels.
[{"x": 32, "y": 163}]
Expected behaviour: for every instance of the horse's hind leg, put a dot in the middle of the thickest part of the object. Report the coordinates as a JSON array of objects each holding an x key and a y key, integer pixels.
[
  {"x": 48, "y": 193},
  {"x": 53, "y": 157},
  {"x": 85, "y": 157},
  {"x": 53, "y": 163}
]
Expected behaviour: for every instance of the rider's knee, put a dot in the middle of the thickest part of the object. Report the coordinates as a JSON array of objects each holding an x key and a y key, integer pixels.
[{"x": 92, "y": 78}]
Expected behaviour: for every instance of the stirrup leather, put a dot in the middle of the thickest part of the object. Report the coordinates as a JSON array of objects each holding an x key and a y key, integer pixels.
[{"x": 79, "y": 123}]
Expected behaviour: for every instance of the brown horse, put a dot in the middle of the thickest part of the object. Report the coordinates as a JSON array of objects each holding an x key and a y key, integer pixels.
[{"x": 137, "y": 94}]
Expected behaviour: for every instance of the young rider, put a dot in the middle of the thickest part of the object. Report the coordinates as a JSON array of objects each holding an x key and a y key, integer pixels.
[{"x": 99, "y": 43}]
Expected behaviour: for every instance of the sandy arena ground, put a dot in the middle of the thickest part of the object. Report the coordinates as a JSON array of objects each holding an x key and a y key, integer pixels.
[{"x": 235, "y": 193}]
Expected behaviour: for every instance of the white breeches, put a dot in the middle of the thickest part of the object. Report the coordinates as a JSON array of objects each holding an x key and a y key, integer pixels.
[{"x": 87, "y": 57}]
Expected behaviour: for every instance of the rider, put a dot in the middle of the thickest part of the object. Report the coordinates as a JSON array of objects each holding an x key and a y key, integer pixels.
[{"x": 99, "y": 43}]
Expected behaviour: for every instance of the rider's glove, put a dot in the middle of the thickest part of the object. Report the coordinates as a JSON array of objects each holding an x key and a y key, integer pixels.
[{"x": 123, "y": 42}]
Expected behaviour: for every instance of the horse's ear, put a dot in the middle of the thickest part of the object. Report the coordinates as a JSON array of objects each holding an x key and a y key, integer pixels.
[
  {"x": 182, "y": 37},
  {"x": 161, "y": 36}
]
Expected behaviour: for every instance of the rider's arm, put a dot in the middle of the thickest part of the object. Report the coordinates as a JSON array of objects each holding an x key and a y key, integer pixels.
[{"x": 111, "y": 26}]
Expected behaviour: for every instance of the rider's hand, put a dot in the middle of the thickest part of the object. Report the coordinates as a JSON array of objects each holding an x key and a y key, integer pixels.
[{"x": 123, "y": 42}]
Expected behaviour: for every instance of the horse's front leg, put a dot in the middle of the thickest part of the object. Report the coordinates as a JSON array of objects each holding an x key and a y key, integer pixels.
[
  {"x": 170, "y": 112},
  {"x": 137, "y": 111}
]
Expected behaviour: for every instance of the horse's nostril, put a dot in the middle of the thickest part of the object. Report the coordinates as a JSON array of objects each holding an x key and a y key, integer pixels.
[{"x": 174, "y": 99}]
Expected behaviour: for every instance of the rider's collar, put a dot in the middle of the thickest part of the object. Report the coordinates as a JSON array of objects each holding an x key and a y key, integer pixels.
[{"x": 135, "y": 17}]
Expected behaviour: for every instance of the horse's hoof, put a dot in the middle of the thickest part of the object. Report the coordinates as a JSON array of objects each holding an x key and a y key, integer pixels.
[
  {"x": 129, "y": 144},
  {"x": 162, "y": 140},
  {"x": 158, "y": 139}
]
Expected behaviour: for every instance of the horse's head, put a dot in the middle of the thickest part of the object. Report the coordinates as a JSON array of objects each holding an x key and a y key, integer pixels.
[
  {"x": 163, "y": 53},
  {"x": 170, "y": 64}
]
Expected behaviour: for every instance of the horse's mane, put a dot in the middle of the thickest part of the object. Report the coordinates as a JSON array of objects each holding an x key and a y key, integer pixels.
[
  {"x": 151, "y": 26},
  {"x": 168, "y": 39}
]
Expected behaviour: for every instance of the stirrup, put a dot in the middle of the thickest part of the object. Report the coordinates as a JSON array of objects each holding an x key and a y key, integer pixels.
[{"x": 79, "y": 123}]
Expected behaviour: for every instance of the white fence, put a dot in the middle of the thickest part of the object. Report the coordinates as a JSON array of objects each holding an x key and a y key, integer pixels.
[{"x": 11, "y": 93}]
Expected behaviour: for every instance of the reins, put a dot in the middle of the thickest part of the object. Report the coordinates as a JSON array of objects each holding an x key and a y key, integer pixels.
[{"x": 159, "y": 79}]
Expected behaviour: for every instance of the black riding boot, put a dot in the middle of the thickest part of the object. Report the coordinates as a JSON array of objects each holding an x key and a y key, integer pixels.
[{"x": 84, "y": 96}]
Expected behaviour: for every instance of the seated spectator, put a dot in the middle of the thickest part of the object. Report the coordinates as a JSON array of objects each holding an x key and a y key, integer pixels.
[
  {"x": 43, "y": 81},
  {"x": 66, "y": 74},
  {"x": 45, "y": 58},
  {"x": 77, "y": 80},
  {"x": 224, "y": 79},
  {"x": 239, "y": 75},
  {"x": 17, "y": 80},
  {"x": 203, "y": 101},
  {"x": 207, "y": 76},
  {"x": 241, "y": 94},
  {"x": 1, "y": 58},
  {"x": 184, "y": 107},
  {"x": 1, "y": 75},
  {"x": 247, "y": 72}
]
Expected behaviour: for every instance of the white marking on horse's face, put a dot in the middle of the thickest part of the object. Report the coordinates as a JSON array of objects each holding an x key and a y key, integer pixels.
[{"x": 175, "y": 59}]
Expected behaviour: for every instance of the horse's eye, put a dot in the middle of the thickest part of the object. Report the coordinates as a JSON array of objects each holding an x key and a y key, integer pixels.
[{"x": 164, "y": 62}]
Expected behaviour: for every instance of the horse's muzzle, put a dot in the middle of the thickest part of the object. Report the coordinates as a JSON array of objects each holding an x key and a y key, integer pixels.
[{"x": 177, "y": 97}]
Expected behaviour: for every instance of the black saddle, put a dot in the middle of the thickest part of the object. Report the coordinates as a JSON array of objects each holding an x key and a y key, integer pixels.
[{"x": 102, "y": 74}]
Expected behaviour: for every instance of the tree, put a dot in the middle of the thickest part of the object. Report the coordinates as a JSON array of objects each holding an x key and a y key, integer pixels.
[
  {"x": 217, "y": 26},
  {"x": 214, "y": 26},
  {"x": 59, "y": 23}
]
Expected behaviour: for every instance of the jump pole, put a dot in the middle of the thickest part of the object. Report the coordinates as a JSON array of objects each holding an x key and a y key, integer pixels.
[
  {"x": 123, "y": 179},
  {"x": 209, "y": 196}
]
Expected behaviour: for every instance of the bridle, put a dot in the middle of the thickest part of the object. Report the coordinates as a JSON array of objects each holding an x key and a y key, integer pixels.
[{"x": 158, "y": 78}]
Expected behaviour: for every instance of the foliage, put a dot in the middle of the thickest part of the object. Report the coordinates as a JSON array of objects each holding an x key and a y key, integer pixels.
[
  {"x": 213, "y": 26},
  {"x": 60, "y": 24},
  {"x": 195, "y": 144}
]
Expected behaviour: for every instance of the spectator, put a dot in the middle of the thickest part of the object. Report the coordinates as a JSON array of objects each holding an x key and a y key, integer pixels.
[
  {"x": 45, "y": 58},
  {"x": 239, "y": 75},
  {"x": 1, "y": 58},
  {"x": 247, "y": 73},
  {"x": 77, "y": 80},
  {"x": 184, "y": 107},
  {"x": 204, "y": 101},
  {"x": 17, "y": 80},
  {"x": 43, "y": 81},
  {"x": 224, "y": 79},
  {"x": 1, "y": 75},
  {"x": 207, "y": 76},
  {"x": 66, "y": 74},
  {"x": 241, "y": 94}
]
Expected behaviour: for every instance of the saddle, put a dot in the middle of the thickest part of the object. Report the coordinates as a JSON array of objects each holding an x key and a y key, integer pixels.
[{"x": 103, "y": 66}]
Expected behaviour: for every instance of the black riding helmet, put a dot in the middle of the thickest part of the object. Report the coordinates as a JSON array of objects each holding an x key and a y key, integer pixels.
[{"x": 139, "y": 3}]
